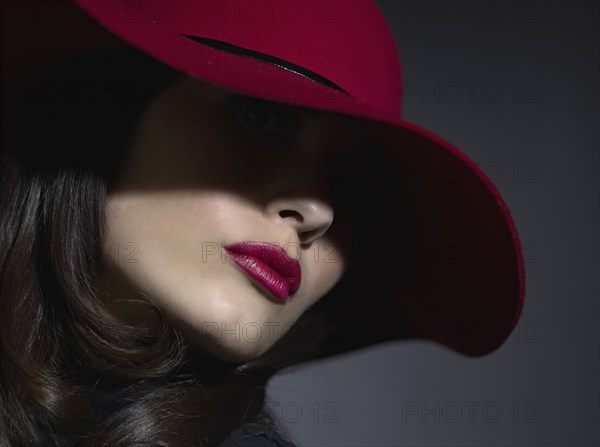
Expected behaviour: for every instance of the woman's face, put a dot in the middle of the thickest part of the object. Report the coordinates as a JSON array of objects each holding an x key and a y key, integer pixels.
[{"x": 205, "y": 170}]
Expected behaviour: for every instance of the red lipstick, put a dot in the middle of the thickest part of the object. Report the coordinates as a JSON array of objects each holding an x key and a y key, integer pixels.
[{"x": 269, "y": 264}]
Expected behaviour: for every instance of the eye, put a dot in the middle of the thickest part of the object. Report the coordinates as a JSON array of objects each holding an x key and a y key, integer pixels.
[{"x": 264, "y": 117}]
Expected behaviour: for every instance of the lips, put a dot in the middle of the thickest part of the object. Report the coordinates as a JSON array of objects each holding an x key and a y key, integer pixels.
[{"x": 269, "y": 264}]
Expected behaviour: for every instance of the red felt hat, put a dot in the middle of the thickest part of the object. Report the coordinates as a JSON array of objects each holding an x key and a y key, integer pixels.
[{"x": 463, "y": 278}]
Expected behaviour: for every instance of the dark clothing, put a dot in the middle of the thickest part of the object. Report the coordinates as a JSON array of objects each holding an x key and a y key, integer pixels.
[
  {"x": 248, "y": 434},
  {"x": 254, "y": 435}
]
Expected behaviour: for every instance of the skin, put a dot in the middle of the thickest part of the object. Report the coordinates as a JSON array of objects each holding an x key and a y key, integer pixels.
[{"x": 197, "y": 175}]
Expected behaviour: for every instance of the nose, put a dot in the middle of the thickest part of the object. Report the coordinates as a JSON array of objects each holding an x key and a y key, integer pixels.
[{"x": 309, "y": 217}]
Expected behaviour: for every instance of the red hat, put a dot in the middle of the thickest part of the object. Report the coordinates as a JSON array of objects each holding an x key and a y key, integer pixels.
[{"x": 462, "y": 277}]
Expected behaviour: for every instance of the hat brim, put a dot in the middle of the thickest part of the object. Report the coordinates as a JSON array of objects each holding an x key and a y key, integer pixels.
[
  {"x": 464, "y": 275},
  {"x": 458, "y": 274}
]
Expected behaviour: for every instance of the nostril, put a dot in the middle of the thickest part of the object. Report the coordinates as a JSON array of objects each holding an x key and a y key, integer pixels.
[{"x": 291, "y": 213}]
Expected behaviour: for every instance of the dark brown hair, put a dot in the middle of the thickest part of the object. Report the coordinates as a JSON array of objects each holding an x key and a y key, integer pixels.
[{"x": 70, "y": 372}]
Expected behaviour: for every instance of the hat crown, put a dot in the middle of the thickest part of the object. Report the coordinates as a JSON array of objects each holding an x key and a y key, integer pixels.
[{"x": 348, "y": 43}]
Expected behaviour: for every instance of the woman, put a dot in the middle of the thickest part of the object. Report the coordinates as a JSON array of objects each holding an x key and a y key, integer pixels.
[{"x": 214, "y": 198}]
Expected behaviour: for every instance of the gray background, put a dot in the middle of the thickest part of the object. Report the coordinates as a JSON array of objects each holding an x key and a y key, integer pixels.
[{"x": 515, "y": 86}]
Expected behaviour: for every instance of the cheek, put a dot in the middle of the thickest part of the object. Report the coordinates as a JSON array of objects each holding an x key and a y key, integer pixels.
[{"x": 159, "y": 244}]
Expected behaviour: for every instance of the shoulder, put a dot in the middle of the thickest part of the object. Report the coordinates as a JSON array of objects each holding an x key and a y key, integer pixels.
[{"x": 255, "y": 435}]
